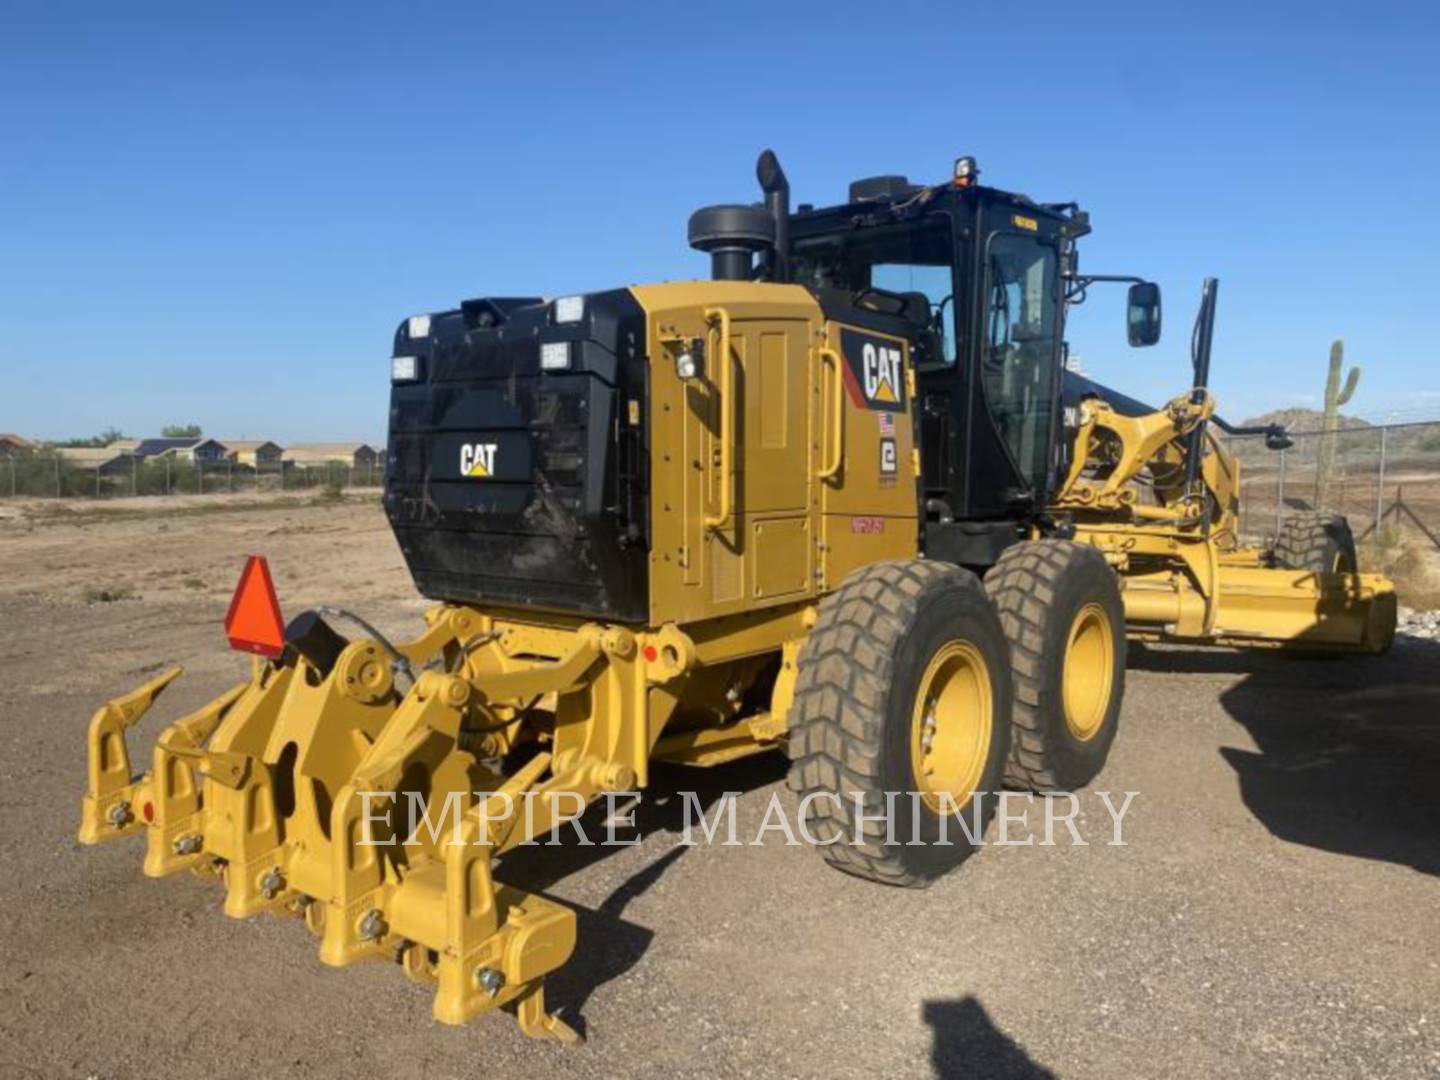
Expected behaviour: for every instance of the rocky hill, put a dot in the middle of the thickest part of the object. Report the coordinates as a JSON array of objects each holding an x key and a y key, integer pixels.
[{"x": 1299, "y": 421}]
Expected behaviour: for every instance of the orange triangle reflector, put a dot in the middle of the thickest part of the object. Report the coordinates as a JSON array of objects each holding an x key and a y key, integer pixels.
[{"x": 253, "y": 623}]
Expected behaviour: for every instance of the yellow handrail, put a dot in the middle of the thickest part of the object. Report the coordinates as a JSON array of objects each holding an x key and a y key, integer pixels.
[
  {"x": 724, "y": 388},
  {"x": 837, "y": 418}
]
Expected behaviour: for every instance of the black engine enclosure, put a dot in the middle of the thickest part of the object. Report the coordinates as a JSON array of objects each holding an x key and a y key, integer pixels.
[{"x": 557, "y": 519}]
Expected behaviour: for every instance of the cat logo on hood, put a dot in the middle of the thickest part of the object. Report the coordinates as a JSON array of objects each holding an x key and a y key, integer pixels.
[{"x": 478, "y": 459}]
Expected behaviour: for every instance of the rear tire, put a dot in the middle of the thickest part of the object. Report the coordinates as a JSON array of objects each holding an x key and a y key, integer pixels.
[
  {"x": 1319, "y": 543},
  {"x": 901, "y": 651},
  {"x": 1060, "y": 605}
]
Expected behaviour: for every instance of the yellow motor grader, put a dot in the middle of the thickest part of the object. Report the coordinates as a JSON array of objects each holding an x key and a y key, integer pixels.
[{"x": 842, "y": 500}]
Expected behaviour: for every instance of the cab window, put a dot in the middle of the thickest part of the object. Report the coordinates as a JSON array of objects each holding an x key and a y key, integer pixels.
[
  {"x": 933, "y": 283},
  {"x": 905, "y": 270}
]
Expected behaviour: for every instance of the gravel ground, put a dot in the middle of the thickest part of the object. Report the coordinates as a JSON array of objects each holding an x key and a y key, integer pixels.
[
  {"x": 1273, "y": 911},
  {"x": 1419, "y": 624}
]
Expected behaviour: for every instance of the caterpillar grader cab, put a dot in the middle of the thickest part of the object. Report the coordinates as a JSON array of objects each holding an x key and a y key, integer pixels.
[{"x": 842, "y": 500}]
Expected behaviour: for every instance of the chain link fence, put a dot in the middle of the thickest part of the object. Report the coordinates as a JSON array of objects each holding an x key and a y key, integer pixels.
[
  {"x": 45, "y": 474},
  {"x": 1385, "y": 479},
  {"x": 1385, "y": 473}
]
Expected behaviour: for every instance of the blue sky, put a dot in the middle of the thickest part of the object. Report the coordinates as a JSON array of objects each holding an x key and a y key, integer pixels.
[{"x": 218, "y": 213}]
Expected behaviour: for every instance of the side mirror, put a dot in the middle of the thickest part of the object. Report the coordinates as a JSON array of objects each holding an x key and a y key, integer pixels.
[{"x": 1142, "y": 314}]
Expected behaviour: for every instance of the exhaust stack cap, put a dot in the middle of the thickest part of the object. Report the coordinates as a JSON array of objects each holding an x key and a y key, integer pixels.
[
  {"x": 770, "y": 174},
  {"x": 731, "y": 235},
  {"x": 777, "y": 203}
]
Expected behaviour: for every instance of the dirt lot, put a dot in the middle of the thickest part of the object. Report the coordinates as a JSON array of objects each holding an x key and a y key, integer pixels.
[{"x": 1274, "y": 912}]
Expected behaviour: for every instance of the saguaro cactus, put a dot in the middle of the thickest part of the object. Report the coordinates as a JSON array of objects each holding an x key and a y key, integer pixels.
[{"x": 1335, "y": 396}]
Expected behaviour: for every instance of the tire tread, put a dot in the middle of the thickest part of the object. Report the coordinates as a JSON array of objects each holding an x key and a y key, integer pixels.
[
  {"x": 1308, "y": 541},
  {"x": 1023, "y": 584},
  {"x": 844, "y": 674}
]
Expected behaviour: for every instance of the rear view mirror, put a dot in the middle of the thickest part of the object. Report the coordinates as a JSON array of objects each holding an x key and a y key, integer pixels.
[{"x": 1142, "y": 314}]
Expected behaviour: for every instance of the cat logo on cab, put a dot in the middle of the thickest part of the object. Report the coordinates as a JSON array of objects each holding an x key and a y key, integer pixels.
[
  {"x": 477, "y": 459},
  {"x": 881, "y": 365},
  {"x": 874, "y": 371}
]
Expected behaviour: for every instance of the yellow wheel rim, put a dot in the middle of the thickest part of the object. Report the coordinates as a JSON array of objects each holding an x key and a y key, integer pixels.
[
  {"x": 1088, "y": 672},
  {"x": 952, "y": 726}
]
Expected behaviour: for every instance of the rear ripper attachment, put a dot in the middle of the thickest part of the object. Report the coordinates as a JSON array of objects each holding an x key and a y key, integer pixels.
[{"x": 297, "y": 788}]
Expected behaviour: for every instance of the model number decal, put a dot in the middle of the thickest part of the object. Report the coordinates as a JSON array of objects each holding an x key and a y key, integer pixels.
[{"x": 867, "y": 526}]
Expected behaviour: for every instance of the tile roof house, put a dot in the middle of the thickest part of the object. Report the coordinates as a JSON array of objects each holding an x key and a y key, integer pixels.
[
  {"x": 256, "y": 453},
  {"x": 10, "y": 443},
  {"x": 352, "y": 455},
  {"x": 106, "y": 459}
]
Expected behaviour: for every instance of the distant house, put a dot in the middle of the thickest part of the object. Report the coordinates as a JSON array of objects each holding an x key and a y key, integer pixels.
[
  {"x": 105, "y": 459},
  {"x": 128, "y": 445},
  {"x": 320, "y": 455},
  {"x": 13, "y": 444},
  {"x": 204, "y": 451},
  {"x": 256, "y": 453}
]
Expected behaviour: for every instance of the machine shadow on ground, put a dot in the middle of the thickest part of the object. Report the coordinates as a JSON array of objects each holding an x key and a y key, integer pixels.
[
  {"x": 966, "y": 1045},
  {"x": 609, "y": 944},
  {"x": 1348, "y": 754}
]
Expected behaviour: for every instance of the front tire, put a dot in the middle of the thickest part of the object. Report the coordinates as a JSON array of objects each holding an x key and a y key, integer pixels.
[
  {"x": 1059, "y": 602},
  {"x": 903, "y": 687}
]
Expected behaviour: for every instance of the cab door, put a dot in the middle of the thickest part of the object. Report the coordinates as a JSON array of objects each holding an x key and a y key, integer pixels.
[{"x": 1013, "y": 385}]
